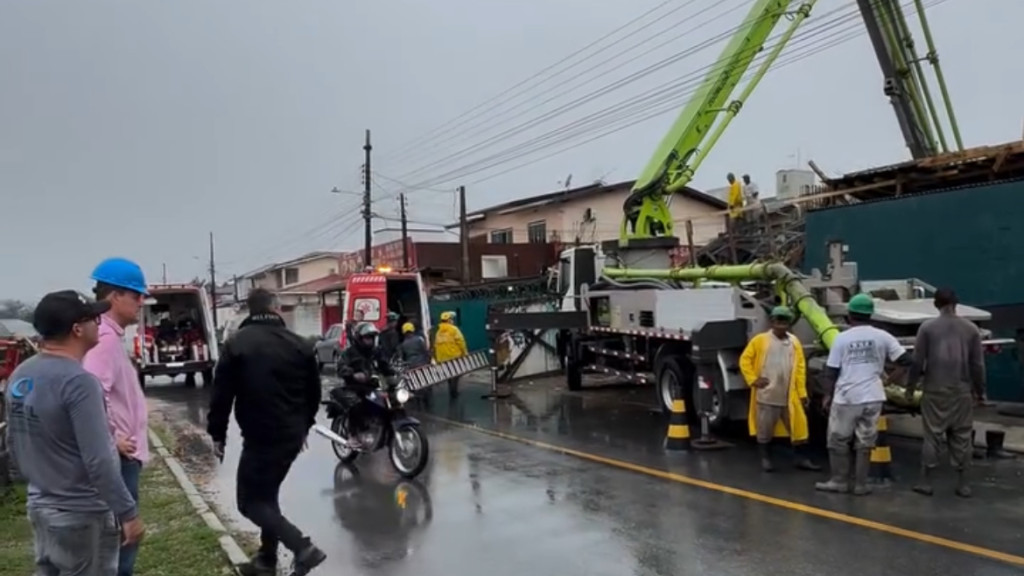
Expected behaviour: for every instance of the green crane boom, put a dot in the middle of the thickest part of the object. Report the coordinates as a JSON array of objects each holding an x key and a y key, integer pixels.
[{"x": 695, "y": 132}]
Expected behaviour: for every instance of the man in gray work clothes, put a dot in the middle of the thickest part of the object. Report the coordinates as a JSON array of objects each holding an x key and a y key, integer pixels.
[
  {"x": 79, "y": 507},
  {"x": 948, "y": 354}
]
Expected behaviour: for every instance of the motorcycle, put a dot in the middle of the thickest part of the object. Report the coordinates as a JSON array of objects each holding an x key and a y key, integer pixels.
[{"x": 386, "y": 425}]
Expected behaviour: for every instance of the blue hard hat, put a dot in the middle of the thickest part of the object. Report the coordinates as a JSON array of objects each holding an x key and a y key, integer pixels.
[{"x": 121, "y": 273}]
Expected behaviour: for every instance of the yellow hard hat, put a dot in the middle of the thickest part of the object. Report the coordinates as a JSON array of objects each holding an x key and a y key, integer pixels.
[
  {"x": 446, "y": 316},
  {"x": 408, "y": 327}
]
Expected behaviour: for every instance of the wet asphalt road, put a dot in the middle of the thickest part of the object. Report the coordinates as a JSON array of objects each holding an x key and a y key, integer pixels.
[{"x": 492, "y": 505}]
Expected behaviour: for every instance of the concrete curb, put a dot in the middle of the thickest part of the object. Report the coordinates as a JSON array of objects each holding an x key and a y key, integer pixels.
[{"x": 227, "y": 542}]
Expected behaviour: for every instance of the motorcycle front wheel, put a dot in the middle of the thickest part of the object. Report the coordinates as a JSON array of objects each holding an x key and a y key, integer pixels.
[
  {"x": 409, "y": 450},
  {"x": 344, "y": 453}
]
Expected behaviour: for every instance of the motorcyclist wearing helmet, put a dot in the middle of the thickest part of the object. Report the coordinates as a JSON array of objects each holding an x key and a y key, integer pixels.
[
  {"x": 389, "y": 338},
  {"x": 357, "y": 364}
]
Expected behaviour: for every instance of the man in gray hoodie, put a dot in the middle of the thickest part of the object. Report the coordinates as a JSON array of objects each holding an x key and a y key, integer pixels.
[{"x": 78, "y": 505}]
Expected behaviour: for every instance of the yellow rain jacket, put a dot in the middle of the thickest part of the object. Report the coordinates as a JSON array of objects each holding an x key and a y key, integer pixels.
[
  {"x": 449, "y": 343},
  {"x": 751, "y": 364},
  {"x": 735, "y": 199}
]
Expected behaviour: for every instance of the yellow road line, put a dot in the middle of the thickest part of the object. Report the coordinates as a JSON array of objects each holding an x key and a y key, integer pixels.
[{"x": 787, "y": 504}]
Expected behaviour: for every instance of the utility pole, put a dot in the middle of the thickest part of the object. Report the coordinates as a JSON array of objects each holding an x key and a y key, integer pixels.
[
  {"x": 165, "y": 273},
  {"x": 464, "y": 234},
  {"x": 213, "y": 284},
  {"x": 368, "y": 232},
  {"x": 405, "y": 232}
]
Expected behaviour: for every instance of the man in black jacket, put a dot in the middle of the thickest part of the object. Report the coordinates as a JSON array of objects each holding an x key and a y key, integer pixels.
[{"x": 270, "y": 375}]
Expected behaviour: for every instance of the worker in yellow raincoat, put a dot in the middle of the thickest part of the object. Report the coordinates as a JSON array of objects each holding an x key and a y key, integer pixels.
[
  {"x": 774, "y": 366},
  {"x": 735, "y": 199},
  {"x": 449, "y": 344}
]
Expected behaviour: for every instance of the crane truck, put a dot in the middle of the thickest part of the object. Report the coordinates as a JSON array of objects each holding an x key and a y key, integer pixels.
[{"x": 626, "y": 311}]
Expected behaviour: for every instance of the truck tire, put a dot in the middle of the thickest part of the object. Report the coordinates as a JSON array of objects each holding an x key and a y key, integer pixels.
[
  {"x": 671, "y": 384},
  {"x": 142, "y": 379},
  {"x": 190, "y": 380},
  {"x": 207, "y": 377}
]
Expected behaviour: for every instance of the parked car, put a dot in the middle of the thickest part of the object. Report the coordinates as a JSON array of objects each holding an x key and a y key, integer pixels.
[{"x": 329, "y": 347}]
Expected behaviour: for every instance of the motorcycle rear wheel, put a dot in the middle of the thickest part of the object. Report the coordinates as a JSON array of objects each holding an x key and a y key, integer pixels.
[
  {"x": 405, "y": 466},
  {"x": 339, "y": 425}
]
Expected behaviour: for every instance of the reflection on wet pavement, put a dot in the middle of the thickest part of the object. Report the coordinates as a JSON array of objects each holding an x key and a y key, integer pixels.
[{"x": 491, "y": 506}]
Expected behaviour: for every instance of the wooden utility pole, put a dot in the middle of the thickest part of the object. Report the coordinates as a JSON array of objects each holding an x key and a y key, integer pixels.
[
  {"x": 464, "y": 234},
  {"x": 367, "y": 218},
  {"x": 213, "y": 286},
  {"x": 405, "y": 232},
  {"x": 165, "y": 273}
]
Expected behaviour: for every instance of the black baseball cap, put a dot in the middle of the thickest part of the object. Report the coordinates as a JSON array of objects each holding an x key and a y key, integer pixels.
[{"x": 58, "y": 312}]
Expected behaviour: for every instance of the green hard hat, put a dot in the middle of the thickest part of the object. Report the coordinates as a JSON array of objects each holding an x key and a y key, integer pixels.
[
  {"x": 782, "y": 312},
  {"x": 861, "y": 304}
]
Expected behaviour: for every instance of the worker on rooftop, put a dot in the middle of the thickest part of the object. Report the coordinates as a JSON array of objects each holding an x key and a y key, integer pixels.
[
  {"x": 948, "y": 354},
  {"x": 774, "y": 366},
  {"x": 855, "y": 392},
  {"x": 735, "y": 198}
]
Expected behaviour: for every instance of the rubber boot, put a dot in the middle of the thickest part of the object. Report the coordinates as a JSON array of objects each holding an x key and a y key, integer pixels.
[
  {"x": 994, "y": 444},
  {"x": 839, "y": 462},
  {"x": 924, "y": 484},
  {"x": 963, "y": 488},
  {"x": 803, "y": 460},
  {"x": 860, "y": 473},
  {"x": 765, "y": 450}
]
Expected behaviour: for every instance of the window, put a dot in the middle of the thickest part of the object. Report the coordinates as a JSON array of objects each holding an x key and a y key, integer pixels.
[
  {"x": 368, "y": 307},
  {"x": 291, "y": 276},
  {"x": 537, "y": 232},
  {"x": 501, "y": 236}
]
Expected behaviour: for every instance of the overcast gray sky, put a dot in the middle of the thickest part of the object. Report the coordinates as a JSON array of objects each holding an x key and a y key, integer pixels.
[{"x": 134, "y": 128}]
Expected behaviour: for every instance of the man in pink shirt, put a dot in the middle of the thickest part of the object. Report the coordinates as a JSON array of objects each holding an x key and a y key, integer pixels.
[{"x": 121, "y": 283}]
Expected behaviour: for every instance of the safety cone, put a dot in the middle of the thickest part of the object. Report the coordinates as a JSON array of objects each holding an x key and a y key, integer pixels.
[
  {"x": 880, "y": 472},
  {"x": 678, "y": 436}
]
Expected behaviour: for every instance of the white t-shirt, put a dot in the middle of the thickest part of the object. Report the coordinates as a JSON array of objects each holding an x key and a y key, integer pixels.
[{"x": 860, "y": 354}]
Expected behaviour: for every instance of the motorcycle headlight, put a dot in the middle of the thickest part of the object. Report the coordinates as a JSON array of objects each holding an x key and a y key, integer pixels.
[{"x": 402, "y": 395}]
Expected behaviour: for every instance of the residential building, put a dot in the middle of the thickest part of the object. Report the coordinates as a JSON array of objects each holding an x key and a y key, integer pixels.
[
  {"x": 586, "y": 214},
  {"x": 438, "y": 263},
  {"x": 282, "y": 275}
]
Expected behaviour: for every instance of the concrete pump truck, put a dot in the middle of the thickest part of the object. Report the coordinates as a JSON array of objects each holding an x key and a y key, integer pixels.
[{"x": 627, "y": 312}]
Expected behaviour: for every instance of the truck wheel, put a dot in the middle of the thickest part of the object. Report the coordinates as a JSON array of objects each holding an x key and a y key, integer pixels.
[
  {"x": 207, "y": 377},
  {"x": 142, "y": 379},
  {"x": 190, "y": 380},
  {"x": 670, "y": 385}
]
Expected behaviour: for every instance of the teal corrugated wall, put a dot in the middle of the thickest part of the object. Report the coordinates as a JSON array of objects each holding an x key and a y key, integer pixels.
[{"x": 970, "y": 239}]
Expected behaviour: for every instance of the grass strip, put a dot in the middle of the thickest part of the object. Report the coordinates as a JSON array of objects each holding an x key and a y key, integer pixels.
[{"x": 177, "y": 543}]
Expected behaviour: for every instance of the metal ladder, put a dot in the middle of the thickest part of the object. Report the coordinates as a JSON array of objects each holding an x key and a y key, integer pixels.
[{"x": 427, "y": 376}]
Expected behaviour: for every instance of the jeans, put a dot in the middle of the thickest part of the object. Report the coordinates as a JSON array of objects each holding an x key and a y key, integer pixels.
[
  {"x": 74, "y": 543},
  {"x": 131, "y": 470},
  {"x": 262, "y": 469}
]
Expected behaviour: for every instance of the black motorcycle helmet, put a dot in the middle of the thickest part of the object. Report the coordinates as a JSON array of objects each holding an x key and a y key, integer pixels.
[{"x": 366, "y": 335}]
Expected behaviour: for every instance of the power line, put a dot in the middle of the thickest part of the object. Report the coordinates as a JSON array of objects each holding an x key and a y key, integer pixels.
[
  {"x": 641, "y": 107},
  {"x": 495, "y": 120},
  {"x": 513, "y": 90},
  {"x": 594, "y": 95}
]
